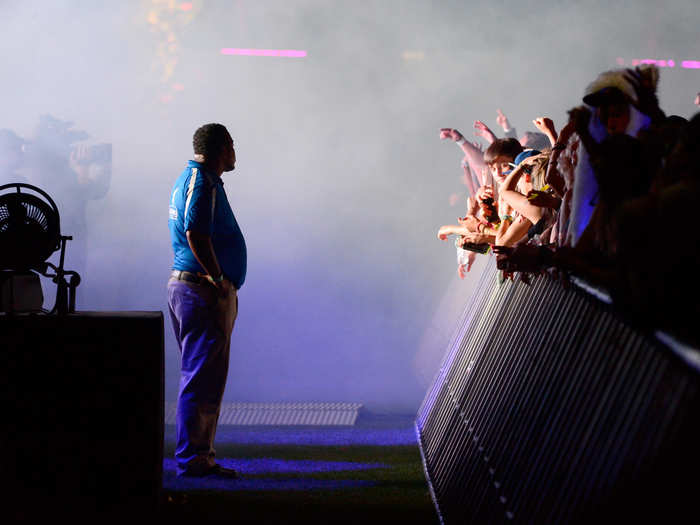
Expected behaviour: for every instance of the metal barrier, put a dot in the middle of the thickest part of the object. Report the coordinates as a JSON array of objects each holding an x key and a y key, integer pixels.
[{"x": 548, "y": 408}]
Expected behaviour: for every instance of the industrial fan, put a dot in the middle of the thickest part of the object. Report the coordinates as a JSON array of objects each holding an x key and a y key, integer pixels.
[{"x": 30, "y": 233}]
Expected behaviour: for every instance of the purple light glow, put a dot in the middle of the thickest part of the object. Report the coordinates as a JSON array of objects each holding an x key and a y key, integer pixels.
[
  {"x": 287, "y": 466},
  {"x": 290, "y": 53},
  {"x": 691, "y": 64},
  {"x": 331, "y": 436}
]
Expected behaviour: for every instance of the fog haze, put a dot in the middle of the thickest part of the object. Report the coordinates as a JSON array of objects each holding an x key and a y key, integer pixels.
[{"x": 341, "y": 180}]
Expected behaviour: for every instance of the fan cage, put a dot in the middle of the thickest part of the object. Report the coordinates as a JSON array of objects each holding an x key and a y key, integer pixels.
[{"x": 41, "y": 230}]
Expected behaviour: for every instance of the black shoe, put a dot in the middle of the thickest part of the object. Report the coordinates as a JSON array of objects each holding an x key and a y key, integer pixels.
[
  {"x": 222, "y": 472},
  {"x": 215, "y": 470}
]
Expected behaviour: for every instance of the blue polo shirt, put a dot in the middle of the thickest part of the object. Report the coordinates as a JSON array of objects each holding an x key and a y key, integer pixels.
[{"x": 198, "y": 203}]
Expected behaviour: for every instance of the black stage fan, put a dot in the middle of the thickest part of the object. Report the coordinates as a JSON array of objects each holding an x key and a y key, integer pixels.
[{"x": 30, "y": 232}]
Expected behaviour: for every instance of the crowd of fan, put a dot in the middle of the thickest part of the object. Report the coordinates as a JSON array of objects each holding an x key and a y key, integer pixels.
[{"x": 610, "y": 198}]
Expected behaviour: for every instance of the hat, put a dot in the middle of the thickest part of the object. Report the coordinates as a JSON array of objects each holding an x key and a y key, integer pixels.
[
  {"x": 612, "y": 86},
  {"x": 524, "y": 155},
  {"x": 606, "y": 96}
]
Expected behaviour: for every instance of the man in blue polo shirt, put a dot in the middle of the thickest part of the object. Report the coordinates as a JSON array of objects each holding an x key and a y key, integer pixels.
[{"x": 208, "y": 269}]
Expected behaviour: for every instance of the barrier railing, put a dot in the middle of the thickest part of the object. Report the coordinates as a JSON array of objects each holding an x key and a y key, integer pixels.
[{"x": 549, "y": 408}]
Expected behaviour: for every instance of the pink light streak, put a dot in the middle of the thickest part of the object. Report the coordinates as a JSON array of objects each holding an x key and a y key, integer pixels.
[
  {"x": 289, "y": 53},
  {"x": 687, "y": 64},
  {"x": 659, "y": 63}
]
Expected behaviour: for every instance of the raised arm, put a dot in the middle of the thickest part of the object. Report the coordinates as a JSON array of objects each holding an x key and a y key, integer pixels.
[
  {"x": 555, "y": 179},
  {"x": 474, "y": 155},
  {"x": 546, "y": 126},
  {"x": 483, "y": 131},
  {"x": 508, "y": 130},
  {"x": 517, "y": 200}
]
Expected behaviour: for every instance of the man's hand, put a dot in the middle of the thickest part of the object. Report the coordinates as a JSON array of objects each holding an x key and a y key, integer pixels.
[
  {"x": 644, "y": 84},
  {"x": 470, "y": 222},
  {"x": 697, "y": 99},
  {"x": 463, "y": 269},
  {"x": 474, "y": 238},
  {"x": 223, "y": 287},
  {"x": 546, "y": 126},
  {"x": 484, "y": 192},
  {"x": 519, "y": 258},
  {"x": 483, "y": 131},
  {"x": 503, "y": 121},
  {"x": 452, "y": 134},
  {"x": 444, "y": 232}
]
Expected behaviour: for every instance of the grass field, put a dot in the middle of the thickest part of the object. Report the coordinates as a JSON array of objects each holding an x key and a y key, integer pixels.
[{"x": 345, "y": 481}]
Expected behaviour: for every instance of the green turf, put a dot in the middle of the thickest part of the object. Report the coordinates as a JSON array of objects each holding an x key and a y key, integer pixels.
[{"x": 400, "y": 494}]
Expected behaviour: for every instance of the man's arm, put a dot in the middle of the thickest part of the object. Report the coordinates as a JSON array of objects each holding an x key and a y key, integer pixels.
[
  {"x": 473, "y": 154},
  {"x": 483, "y": 131},
  {"x": 508, "y": 130},
  {"x": 546, "y": 126},
  {"x": 203, "y": 251}
]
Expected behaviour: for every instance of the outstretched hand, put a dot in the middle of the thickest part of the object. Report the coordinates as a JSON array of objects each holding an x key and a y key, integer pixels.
[
  {"x": 483, "y": 131},
  {"x": 519, "y": 258},
  {"x": 463, "y": 269},
  {"x": 450, "y": 133},
  {"x": 444, "y": 232},
  {"x": 473, "y": 238},
  {"x": 503, "y": 120},
  {"x": 470, "y": 222},
  {"x": 546, "y": 125},
  {"x": 644, "y": 84}
]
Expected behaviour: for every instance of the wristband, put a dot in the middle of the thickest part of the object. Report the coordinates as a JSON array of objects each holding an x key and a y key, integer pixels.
[{"x": 461, "y": 141}]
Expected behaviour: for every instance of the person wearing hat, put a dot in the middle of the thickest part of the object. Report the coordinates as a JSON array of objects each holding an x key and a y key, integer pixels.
[
  {"x": 526, "y": 178},
  {"x": 498, "y": 158},
  {"x": 617, "y": 102}
]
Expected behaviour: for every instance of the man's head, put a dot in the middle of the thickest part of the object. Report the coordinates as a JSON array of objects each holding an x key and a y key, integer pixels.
[
  {"x": 213, "y": 146},
  {"x": 499, "y": 155},
  {"x": 612, "y": 108},
  {"x": 534, "y": 140}
]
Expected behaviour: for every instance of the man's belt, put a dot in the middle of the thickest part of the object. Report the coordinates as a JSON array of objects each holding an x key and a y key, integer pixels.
[{"x": 182, "y": 275}]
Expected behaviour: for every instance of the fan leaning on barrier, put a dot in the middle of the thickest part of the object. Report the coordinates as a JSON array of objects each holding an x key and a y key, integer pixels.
[{"x": 30, "y": 232}]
